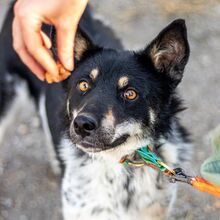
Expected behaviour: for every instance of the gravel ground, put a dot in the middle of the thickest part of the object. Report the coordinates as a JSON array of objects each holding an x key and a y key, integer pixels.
[{"x": 28, "y": 188}]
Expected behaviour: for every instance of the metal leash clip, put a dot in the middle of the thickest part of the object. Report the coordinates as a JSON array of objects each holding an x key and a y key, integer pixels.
[{"x": 179, "y": 176}]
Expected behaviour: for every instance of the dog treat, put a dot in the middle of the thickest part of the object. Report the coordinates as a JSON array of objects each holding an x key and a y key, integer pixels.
[{"x": 63, "y": 74}]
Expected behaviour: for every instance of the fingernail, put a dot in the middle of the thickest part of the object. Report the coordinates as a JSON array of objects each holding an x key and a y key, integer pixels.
[{"x": 69, "y": 64}]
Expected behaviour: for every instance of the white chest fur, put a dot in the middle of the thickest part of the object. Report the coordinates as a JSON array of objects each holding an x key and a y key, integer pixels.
[{"x": 93, "y": 188}]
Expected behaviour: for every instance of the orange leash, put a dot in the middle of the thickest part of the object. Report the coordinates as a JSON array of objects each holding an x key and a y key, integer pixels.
[
  {"x": 204, "y": 186},
  {"x": 149, "y": 158}
]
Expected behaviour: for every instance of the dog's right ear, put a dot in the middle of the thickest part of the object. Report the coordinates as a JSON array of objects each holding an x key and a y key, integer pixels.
[{"x": 83, "y": 44}]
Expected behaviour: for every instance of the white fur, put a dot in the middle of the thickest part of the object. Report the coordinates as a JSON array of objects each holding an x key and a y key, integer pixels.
[
  {"x": 169, "y": 152},
  {"x": 127, "y": 127},
  {"x": 152, "y": 116},
  {"x": 108, "y": 120},
  {"x": 87, "y": 187},
  {"x": 133, "y": 142}
]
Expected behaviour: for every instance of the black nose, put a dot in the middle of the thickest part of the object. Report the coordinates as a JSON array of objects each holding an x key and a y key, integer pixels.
[{"x": 84, "y": 125}]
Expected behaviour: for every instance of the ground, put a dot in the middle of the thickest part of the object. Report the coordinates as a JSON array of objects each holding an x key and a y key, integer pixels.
[{"x": 28, "y": 188}]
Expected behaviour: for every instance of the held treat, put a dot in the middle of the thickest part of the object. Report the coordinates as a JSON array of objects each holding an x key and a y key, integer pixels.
[{"x": 63, "y": 74}]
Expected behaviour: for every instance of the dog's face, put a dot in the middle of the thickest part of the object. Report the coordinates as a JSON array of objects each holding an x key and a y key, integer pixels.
[{"x": 123, "y": 98}]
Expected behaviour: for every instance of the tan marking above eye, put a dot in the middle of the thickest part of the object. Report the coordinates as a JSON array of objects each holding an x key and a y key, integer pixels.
[
  {"x": 83, "y": 86},
  {"x": 130, "y": 94},
  {"x": 94, "y": 74},
  {"x": 122, "y": 82}
]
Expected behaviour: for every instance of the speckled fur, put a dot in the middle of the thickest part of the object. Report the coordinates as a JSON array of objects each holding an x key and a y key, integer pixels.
[{"x": 96, "y": 187}]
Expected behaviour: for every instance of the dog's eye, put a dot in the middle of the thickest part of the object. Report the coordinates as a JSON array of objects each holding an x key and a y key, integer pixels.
[
  {"x": 130, "y": 94},
  {"x": 83, "y": 86}
]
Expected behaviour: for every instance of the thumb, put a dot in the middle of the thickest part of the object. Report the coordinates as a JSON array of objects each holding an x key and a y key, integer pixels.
[{"x": 65, "y": 45}]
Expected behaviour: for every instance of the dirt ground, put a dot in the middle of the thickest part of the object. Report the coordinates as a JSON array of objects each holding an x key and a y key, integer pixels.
[{"x": 29, "y": 191}]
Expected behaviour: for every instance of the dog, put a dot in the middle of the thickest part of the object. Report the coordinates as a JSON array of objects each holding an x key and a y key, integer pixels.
[{"x": 114, "y": 102}]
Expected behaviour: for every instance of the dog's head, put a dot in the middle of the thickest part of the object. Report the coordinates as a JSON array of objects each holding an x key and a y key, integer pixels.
[{"x": 124, "y": 99}]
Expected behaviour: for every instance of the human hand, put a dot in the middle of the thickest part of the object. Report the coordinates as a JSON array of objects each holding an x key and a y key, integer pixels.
[{"x": 32, "y": 45}]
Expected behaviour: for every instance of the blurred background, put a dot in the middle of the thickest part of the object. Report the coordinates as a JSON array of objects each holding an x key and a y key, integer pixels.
[{"x": 29, "y": 190}]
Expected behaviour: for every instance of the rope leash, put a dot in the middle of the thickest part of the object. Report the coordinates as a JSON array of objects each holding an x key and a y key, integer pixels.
[{"x": 149, "y": 158}]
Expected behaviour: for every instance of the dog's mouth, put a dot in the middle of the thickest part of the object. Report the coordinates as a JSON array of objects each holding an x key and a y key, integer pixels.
[
  {"x": 92, "y": 146},
  {"x": 88, "y": 147}
]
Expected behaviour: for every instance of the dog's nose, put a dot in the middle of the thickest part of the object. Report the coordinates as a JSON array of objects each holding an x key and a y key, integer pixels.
[{"x": 84, "y": 125}]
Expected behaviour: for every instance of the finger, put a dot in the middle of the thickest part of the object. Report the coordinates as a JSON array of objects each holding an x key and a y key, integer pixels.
[
  {"x": 65, "y": 45},
  {"x": 19, "y": 47},
  {"x": 46, "y": 40},
  {"x": 32, "y": 65},
  {"x": 34, "y": 44}
]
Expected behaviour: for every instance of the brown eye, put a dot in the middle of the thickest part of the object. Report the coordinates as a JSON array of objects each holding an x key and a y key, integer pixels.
[
  {"x": 83, "y": 86},
  {"x": 130, "y": 94}
]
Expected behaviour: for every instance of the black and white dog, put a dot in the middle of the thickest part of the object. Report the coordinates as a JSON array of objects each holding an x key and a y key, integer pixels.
[{"x": 115, "y": 102}]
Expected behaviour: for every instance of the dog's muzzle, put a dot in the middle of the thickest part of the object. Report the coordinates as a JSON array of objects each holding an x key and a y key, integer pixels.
[{"x": 87, "y": 134}]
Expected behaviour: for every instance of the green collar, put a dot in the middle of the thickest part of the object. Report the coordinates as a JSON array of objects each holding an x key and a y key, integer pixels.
[{"x": 146, "y": 156}]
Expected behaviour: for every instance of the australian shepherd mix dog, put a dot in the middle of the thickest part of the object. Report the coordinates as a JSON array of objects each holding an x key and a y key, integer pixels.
[{"x": 114, "y": 102}]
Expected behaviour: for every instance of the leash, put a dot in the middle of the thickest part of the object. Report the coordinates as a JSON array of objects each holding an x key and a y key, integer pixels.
[{"x": 146, "y": 157}]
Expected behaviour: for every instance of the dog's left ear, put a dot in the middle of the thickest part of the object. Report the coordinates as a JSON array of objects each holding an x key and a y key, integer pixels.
[
  {"x": 83, "y": 44},
  {"x": 169, "y": 51}
]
